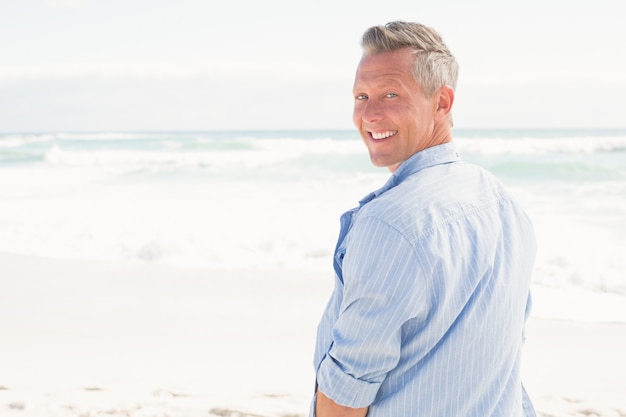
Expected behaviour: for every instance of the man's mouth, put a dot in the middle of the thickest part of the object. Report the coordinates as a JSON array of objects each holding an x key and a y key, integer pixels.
[{"x": 383, "y": 135}]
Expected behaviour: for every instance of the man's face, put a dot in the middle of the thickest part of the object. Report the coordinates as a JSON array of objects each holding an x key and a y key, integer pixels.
[{"x": 392, "y": 114}]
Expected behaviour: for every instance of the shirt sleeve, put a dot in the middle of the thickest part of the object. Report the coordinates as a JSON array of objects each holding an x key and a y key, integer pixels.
[{"x": 382, "y": 290}]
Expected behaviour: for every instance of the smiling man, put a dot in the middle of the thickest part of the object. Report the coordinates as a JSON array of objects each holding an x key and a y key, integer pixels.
[{"x": 433, "y": 269}]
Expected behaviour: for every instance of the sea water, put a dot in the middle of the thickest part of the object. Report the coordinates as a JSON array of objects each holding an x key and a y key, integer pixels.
[{"x": 272, "y": 199}]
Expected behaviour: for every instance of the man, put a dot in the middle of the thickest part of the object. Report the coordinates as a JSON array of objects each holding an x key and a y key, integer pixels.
[{"x": 433, "y": 269}]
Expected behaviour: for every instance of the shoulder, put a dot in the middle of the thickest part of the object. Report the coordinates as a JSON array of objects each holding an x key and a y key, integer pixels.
[{"x": 435, "y": 196}]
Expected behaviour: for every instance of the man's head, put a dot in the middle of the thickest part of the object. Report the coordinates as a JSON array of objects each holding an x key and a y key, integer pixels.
[
  {"x": 435, "y": 66},
  {"x": 404, "y": 90}
]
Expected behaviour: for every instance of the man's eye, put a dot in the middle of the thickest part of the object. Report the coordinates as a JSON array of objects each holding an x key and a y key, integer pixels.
[
  {"x": 392, "y": 95},
  {"x": 361, "y": 97}
]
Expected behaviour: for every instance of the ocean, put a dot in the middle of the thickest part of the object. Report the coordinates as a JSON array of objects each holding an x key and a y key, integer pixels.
[{"x": 272, "y": 199}]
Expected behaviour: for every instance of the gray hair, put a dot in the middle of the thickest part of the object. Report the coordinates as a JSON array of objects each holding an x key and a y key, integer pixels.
[{"x": 434, "y": 67}]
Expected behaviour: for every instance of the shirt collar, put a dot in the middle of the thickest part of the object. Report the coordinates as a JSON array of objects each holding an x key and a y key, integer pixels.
[{"x": 436, "y": 155}]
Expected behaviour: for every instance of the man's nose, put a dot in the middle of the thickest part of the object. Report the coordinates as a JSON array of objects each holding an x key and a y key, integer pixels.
[{"x": 372, "y": 111}]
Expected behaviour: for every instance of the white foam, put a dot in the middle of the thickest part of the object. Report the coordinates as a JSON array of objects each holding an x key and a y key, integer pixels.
[
  {"x": 15, "y": 141},
  {"x": 542, "y": 146}
]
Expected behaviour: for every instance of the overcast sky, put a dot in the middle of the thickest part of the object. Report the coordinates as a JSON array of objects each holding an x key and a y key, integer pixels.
[{"x": 75, "y": 65}]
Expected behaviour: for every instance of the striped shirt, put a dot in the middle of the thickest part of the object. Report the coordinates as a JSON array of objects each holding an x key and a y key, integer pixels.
[{"x": 431, "y": 296}]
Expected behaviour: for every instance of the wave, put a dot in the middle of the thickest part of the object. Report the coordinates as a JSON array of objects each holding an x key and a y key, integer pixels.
[
  {"x": 134, "y": 160},
  {"x": 16, "y": 141},
  {"x": 542, "y": 146},
  {"x": 233, "y": 154},
  {"x": 248, "y": 199},
  {"x": 576, "y": 157},
  {"x": 556, "y": 170},
  {"x": 479, "y": 142}
]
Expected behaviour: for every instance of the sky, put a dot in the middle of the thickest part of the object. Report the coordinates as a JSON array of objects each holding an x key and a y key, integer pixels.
[{"x": 139, "y": 65}]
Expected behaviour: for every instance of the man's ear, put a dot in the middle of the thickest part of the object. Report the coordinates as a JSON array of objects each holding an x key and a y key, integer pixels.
[{"x": 445, "y": 99}]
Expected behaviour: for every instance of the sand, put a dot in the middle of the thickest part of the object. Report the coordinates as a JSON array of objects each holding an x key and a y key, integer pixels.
[{"x": 115, "y": 339}]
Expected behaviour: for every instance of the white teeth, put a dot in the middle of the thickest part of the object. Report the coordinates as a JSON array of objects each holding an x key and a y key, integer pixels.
[{"x": 383, "y": 135}]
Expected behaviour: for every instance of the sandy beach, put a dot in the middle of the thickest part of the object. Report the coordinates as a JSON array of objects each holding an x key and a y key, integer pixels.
[{"x": 117, "y": 339}]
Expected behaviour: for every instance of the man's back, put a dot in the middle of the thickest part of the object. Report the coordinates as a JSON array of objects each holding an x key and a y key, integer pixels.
[{"x": 432, "y": 294}]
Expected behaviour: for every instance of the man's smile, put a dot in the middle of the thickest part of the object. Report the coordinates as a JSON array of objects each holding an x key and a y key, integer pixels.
[{"x": 383, "y": 135}]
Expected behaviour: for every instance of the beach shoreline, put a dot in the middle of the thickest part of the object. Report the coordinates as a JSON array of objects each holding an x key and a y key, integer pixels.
[{"x": 139, "y": 339}]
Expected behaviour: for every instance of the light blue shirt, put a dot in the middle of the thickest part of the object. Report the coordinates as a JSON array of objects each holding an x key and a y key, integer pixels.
[{"x": 431, "y": 296}]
